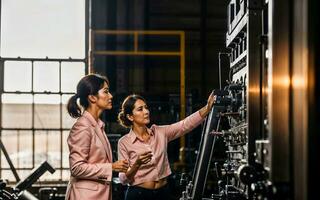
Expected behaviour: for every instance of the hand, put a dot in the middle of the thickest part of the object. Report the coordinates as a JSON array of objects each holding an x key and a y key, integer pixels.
[
  {"x": 120, "y": 166},
  {"x": 211, "y": 100},
  {"x": 143, "y": 158},
  {"x": 207, "y": 108}
]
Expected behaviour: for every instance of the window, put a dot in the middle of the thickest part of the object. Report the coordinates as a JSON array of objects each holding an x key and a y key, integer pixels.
[{"x": 42, "y": 59}]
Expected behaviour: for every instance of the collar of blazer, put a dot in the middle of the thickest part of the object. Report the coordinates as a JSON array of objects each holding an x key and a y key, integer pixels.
[
  {"x": 91, "y": 119},
  {"x": 98, "y": 127}
]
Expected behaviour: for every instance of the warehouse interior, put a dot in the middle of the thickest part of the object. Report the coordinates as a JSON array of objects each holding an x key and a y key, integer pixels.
[{"x": 259, "y": 57}]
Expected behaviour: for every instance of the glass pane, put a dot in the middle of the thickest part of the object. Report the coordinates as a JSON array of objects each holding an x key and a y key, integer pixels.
[
  {"x": 17, "y": 76},
  {"x": 25, "y": 149},
  {"x": 71, "y": 73},
  {"x": 65, "y": 175},
  {"x": 7, "y": 175},
  {"x": 47, "y": 99},
  {"x": 47, "y": 147},
  {"x": 47, "y": 111},
  {"x": 65, "y": 150},
  {"x": 24, "y": 173},
  {"x": 10, "y": 142},
  {"x": 65, "y": 98},
  {"x": 58, "y": 28},
  {"x": 46, "y": 76},
  {"x": 19, "y": 147},
  {"x": 67, "y": 120},
  {"x": 17, "y": 98},
  {"x": 16, "y": 115}
]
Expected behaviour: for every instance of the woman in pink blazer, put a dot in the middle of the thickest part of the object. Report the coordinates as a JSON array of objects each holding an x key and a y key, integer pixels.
[
  {"x": 146, "y": 148},
  {"x": 90, "y": 155}
]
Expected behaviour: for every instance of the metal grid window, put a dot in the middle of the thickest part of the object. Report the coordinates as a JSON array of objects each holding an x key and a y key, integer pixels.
[{"x": 39, "y": 70}]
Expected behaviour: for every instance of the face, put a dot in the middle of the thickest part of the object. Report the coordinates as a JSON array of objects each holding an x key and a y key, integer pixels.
[
  {"x": 104, "y": 98},
  {"x": 140, "y": 113}
]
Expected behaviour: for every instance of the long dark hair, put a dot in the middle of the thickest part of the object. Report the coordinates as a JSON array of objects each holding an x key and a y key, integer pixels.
[
  {"x": 88, "y": 85},
  {"x": 127, "y": 108}
]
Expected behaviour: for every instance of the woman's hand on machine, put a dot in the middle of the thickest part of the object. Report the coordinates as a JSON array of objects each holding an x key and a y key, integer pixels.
[
  {"x": 207, "y": 108},
  {"x": 211, "y": 100}
]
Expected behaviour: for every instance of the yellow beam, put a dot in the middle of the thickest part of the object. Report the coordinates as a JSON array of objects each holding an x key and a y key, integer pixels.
[
  {"x": 182, "y": 96},
  {"x": 136, "y": 40}
]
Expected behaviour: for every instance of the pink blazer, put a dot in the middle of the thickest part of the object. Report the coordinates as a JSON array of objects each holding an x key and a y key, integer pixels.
[{"x": 90, "y": 161}]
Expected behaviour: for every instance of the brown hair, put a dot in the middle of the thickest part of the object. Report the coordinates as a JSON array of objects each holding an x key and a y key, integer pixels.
[
  {"x": 88, "y": 85},
  {"x": 127, "y": 108}
]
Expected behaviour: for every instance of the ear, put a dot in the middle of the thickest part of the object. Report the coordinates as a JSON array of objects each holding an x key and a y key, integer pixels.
[
  {"x": 129, "y": 117},
  {"x": 92, "y": 99}
]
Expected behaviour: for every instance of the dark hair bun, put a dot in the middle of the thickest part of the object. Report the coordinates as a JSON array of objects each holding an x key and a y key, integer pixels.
[{"x": 124, "y": 121}]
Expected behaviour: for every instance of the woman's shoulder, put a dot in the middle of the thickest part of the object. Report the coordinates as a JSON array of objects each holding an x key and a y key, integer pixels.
[
  {"x": 85, "y": 119},
  {"x": 124, "y": 138},
  {"x": 154, "y": 128},
  {"x": 82, "y": 124}
]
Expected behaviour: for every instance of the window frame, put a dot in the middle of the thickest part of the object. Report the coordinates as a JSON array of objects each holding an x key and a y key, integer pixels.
[{"x": 62, "y": 169}]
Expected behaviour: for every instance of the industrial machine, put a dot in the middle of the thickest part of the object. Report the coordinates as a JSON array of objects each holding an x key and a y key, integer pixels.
[{"x": 240, "y": 117}]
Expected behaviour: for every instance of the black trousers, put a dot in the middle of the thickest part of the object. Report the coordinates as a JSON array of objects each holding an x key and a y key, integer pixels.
[{"x": 139, "y": 193}]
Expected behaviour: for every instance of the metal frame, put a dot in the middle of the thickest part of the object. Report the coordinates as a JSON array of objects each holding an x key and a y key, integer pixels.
[
  {"x": 136, "y": 52},
  {"x": 32, "y": 129},
  {"x": 279, "y": 91},
  {"x": 254, "y": 88},
  {"x": 1, "y": 77}
]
